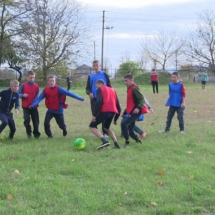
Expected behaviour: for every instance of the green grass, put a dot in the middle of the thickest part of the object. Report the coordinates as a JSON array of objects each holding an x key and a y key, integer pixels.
[{"x": 56, "y": 179}]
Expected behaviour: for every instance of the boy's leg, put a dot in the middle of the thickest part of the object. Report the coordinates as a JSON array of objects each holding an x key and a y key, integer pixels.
[
  {"x": 180, "y": 112},
  {"x": 131, "y": 131},
  {"x": 36, "y": 122},
  {"x": 157, "y": 86},
  {"x": 47, "y": 120},
  {"x": 11, "y": 125},
  {"x": 138, "y": 130},
  {"x": 153, "y": 86},
  {"x": 27, "y": 118},
  {"x": 61, "y": 123},
  {"x": 68, "y": 86},
  {"x": 170, "y": 115},
  {"x": 4, "y": 123}
]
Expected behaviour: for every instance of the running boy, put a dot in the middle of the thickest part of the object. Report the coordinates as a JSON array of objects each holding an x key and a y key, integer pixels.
[
  {"x": 68, "y": 81},
  {"x": 176, "y": 102},
  {"x": 9, "y": 98},
  {"x": 134, "y": 108},
  {"x": 55, "y": 102},
  {"x": 204, "y": 79},
  {"x": 106, "y": 108},
  {"x": 29, "y": 91}
]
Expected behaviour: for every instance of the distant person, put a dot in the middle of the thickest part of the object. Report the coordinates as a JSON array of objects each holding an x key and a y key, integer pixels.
[
  {"x": 55, "y": 97},
  {"x": 91, "y": 85},
  {"x": 176, "y": 102},
  {"x": 154, "y": 80},
  {"x": 107, "y": 108},
  {"x": 135, "y": 106},
  {"x": 28, "y": 92},
  {"x": 204, "y": 79},
  {"x": 68, "y": 81},
  {"x": 9, "y": 99}
]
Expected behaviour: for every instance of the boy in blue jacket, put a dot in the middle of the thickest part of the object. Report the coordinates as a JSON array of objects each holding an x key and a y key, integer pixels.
[
  {"x": 55, "y": 102},
  {"x": 9, "y": 99},
  {"x": 176, "y": 102}
]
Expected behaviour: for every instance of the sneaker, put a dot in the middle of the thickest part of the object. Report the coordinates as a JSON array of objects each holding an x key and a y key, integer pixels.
[
  {"x": 116, "y": 146},
  {"x": 139, "y": 141},
  {"x": 163, "y": 131},
  {"x": 126, "y": 145},
  {"x": 29, "y": 136},
  {"x": 182, "y": 132},
  {"x": 143, "y": 135},
  {"x": 106, "y": 136},
  {"x": 64, "y": 133},
  {"x": 103, "y": 145},
  {"x": 10, "y": 136},
  {"x": 37, "y": 136},
  {"x": 50, "y": 136}
]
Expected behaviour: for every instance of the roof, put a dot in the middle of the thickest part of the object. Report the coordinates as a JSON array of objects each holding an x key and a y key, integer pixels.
[{"x": 84, "y": 69}]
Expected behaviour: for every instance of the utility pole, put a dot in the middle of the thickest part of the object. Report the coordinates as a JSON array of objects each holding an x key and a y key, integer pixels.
[
  {"x": 103, "y": 22},
  {"x": 94, "y": 50}
]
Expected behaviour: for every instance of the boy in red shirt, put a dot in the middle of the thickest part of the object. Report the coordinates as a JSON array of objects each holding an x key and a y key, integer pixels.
[
  {"x": 154, "y": 80},
  {"x": 29, "y": 91}
]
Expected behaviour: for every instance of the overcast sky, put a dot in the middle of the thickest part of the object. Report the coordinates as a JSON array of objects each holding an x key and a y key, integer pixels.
[{"x": 133, "y": 19}]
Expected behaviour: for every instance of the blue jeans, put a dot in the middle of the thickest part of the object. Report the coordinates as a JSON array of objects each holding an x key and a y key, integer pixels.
[
  {"x": 127, "y": 126},
  {"x": 171, "y": 112},
  {"x": 7, "y": 119}
]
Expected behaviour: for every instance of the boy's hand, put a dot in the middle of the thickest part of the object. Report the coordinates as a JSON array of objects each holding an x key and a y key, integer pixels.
[
  {"x": 91, "y": 96},
  {"x": 136, "y": 111},
  {"x": 93, "y": 119},
  {"x": 25, "y": 95},
  {"x": 16, "y": 111},
  {"x": 151, "y": 110},
  {"x": 183, "y": 105}
]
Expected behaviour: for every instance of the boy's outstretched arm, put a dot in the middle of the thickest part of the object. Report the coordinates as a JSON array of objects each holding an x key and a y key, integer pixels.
[
  {"x": 183, "y": 92},
  {"x": 70, "y": 94},
  {"x": 38, "y": 100}
]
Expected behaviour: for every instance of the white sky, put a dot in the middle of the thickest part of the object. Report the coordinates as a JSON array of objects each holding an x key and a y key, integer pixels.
[{"x": 132, "y": 3}]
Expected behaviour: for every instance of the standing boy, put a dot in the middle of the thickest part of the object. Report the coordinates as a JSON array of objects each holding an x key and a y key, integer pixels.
[
  {"x": 91, "y": 87},
  {"x": 176, "y": 102},
  {"x": 134, "y": 108},
  {"x": 204, "y": 79},
  {"x": 9, "y": 98},
  {"x": 55, "y": 102},
  {"x": 29, "y": 91},
  {"x": 68, "y": 81},
  {"x": 106, "y": 108},
  {"x": 154, "y": 80}
]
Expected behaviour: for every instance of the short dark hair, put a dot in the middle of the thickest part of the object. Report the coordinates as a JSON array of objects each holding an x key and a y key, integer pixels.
[
  {"x": 153, "y": 69},
  {"x": 95, "y": 61},
  {"x": 31, "y": 73},
  {"x": 50, "y": 76},
  {"x": 175, "y": 73},
  {"x": 100, "y": 81},
  {"x": 129, "y": 76}
]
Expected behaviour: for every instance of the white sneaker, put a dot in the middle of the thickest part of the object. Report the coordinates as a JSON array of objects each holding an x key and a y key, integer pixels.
[
  {"x": 106, "y": 136},
  {"x": 103, "y": 145},
  {"x": 182, "y": 132},
  {"x": 163, "y": 131}
]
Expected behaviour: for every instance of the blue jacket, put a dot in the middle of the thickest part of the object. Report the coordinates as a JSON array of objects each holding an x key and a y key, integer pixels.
[
  {"x": 61, "y": 92},
  {"x": 8, "y": 100}
]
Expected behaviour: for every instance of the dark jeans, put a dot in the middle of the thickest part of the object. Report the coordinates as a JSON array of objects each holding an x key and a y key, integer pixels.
[
  {"x": 92, "y": 103},
  {"x": 7, "y": 119},
  {"x": 155, "y": 85},
  {"x": 34, "y": 115},
  {"x": 68, "y": 86},
  {"x": 127, "y": 126},
  {"x": 171, "y": 112},
  {"x": 136, "y": 129},
  {"x": 59, "y": 118}
]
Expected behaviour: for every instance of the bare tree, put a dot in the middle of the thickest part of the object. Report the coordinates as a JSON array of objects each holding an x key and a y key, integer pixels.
[
  {"x": 55, "y": 32},
  {"x": 142, "y": 59},
  {"x": 125, "y": 56},
  {"x": 201, "y": 43},
  {"x": 161, "y": 47},
  {"x": 11, "y": 12}
]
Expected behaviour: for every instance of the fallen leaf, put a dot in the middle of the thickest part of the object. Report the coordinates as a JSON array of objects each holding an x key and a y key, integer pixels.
[
  {"x": 209, "y": 121},
  {"x": 160, "y": 171},
  {"x": 126, "y": 193},
  {"x": 189, "y": 152},
  {"x": 160, "y": 183},
  {"x": 152, "y": 123},
  {"x": 1, "y": 138},
  {"x": 10, "y": 197},
  {"x": 73, "y": 159},
  {"x": 154, "y": 204},
  {"x": 17, "y": 171},
  {"x": 191, "y": 177},
  {"x": 195, "y": 111},
  {"x": 120, "y": 204}
]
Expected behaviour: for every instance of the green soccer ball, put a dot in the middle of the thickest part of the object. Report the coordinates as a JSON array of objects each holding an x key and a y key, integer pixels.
[{"x": 79, "y": 144}]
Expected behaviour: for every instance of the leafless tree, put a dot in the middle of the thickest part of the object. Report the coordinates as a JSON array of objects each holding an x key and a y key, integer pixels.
[
  {"x": 55, "y": 32},
  {"x": 161, "y": 47},
  {"x": 11, "y": 12},
  {"x": 201, "y": 42},
  {"x": 142, "y": 59},
  {"x": 125, "y": 56}
]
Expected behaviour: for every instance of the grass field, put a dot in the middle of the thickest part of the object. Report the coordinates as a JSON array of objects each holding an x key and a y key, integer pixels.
[{"x": 168, "y": 174}]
